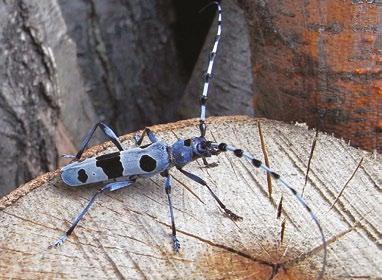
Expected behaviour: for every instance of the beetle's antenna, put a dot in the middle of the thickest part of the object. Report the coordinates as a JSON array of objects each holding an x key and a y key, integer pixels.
[
  {"x": 208, "y": 75},
  {"x": 222, "y": 147}
]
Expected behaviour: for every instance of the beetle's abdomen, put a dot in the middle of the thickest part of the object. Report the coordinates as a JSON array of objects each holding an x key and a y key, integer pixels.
[
  {"x": 145, "y": 161},
  {"x": 85, "y": 172}
]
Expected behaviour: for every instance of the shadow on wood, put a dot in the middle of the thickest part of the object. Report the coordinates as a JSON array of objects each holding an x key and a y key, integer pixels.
[{"x": 127, "y": 233}]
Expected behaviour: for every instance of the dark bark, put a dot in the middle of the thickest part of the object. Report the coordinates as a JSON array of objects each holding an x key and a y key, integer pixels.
[
  {"x": 28, "y": 99},
  {"x": 127, "y": 55},
  {"x": 231, "y": 89},
  {"x": 40, "y": 89}
]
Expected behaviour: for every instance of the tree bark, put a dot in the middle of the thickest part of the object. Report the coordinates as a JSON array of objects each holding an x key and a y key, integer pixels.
[
  {"x": 40, "y": 90},
  {"x": 231, "y": 90},
  {"x": 319, "y": 62},
  {"x": 126, "y": 234},
  {"x": 127, "y": 55}
]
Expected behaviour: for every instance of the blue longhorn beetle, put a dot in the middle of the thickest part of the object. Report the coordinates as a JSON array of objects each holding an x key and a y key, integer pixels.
[{"x": 121, "y": 169}]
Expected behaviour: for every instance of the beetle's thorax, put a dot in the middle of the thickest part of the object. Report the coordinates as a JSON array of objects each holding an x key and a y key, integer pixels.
[{"x": 185, "y": 151}]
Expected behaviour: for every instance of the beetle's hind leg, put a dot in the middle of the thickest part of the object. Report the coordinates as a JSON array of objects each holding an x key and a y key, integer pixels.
[
  {"x": 108, "y": 188},
  {"x": 106, "y": 130}
]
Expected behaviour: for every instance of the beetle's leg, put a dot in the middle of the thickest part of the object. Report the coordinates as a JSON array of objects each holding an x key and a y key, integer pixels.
[
  {"x": 175, "y": 242},
  {"x": 139, "y": 138},
  {"x": 200, "y": 181},
  {"x": 209, "y": 165},
  {"x": 106, "y": 130},
  {"x": 109, "y": 187},
  {"x": 222, "y": 147}
]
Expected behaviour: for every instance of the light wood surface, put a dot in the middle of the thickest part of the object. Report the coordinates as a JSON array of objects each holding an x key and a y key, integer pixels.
[{"x": 126, "y": 234}]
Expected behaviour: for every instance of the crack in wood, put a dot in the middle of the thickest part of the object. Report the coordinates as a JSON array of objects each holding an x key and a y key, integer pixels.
[
  {"x": 266, "y": 159},
  {"x": 346, "y": 184},
  {"x": 309, "y": 161}
]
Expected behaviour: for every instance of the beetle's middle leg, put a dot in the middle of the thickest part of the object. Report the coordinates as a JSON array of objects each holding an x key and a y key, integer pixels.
[
  {"x": 139, "y": 138},
  {"x": 175, "y": 241},
  {"x": 108, "y": 188}
]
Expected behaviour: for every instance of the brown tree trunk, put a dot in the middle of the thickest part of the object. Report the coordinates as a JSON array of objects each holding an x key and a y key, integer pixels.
[
  {"x": 126, "y": 234},
  {"x": 319, "y": 62}
]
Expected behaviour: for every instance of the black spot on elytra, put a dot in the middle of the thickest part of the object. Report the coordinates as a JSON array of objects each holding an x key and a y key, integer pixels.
[
  {"x": 108, "y": 156},
  {"x": 187, "y": 142},
  {"x": 82, "y": 176},
  {"x": 147, "y": 163},
  {"x": 110, "y": 164}
]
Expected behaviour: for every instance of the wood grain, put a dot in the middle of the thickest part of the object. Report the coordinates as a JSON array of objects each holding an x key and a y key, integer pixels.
[{"x": 126, "y": 234}]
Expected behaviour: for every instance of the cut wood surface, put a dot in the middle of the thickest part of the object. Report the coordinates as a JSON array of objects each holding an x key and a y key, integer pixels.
[{"x": 126, "y": 234}]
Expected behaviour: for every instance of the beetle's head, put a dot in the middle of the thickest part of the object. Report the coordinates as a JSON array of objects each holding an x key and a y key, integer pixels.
[{"x": 185, "y": 151}]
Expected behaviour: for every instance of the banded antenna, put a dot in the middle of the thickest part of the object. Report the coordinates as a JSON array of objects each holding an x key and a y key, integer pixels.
[{"x": 208, "y": 75}]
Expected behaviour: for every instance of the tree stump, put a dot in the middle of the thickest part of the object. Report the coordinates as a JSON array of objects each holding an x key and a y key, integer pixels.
[{"x": 126, "y": 234}]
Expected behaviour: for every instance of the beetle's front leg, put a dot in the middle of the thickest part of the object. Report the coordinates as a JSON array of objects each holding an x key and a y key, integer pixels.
[
  {"x": 209, "y": 165},
  {"x": 200, "y": 181}
]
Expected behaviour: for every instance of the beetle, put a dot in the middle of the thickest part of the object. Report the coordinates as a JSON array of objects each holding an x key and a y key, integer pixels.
[{"x": 120, "y": 169}]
